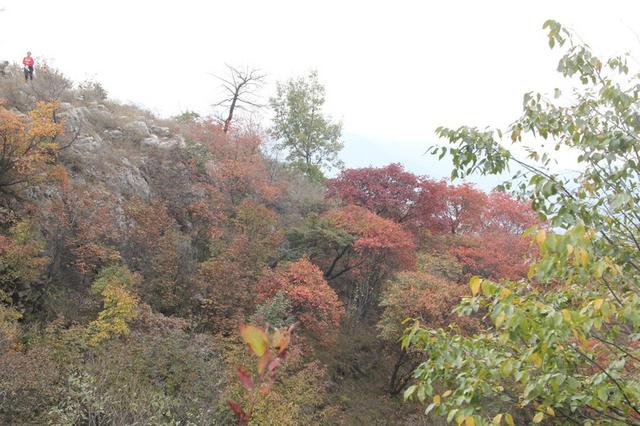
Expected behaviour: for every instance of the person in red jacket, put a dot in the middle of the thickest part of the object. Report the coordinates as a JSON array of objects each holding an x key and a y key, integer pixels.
[{"x": 28, "y": 63}]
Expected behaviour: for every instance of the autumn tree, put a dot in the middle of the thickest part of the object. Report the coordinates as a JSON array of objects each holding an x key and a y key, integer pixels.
[
  {"x": 234, "y": 161},
  {"x": 310, "y": 139},
  {"x": 193, "y": 199},
  {"x": 388, "y": 191},
  {"x": 159, "y": 251},
  {"x": 493, "y": 254},
  {"x": 463, "y": 207},
  {"x": 563, "y": 346},
  {"x": 313, "y": 302},
  {"x": 356, "y": 246},
  {"x": 393, "y": 193},
  {"x": 496, "y": 248},
  {"x": 28, "y": 145},
  {"x": 505, "y": 213},
  {"x": 240, "y": 88},
  {"x": 117, "y": 286},
  {"x": 86, "y": 234},
  {"x": 22, "y": 266},
  {"x": 240, "y": 255}
]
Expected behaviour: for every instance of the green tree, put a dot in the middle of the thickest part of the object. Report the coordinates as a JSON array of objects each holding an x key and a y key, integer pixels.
[
  {"x": 310, "y": 139},
  {"x": 564, "y": 345}
]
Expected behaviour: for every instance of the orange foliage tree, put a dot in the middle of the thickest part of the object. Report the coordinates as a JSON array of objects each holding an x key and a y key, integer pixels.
[
  {"x": 235, "y": 162},
  {"x": 357, "y": 246},
  {"x": 313, "y": 302},
  {"x": 27, "y": 145}
]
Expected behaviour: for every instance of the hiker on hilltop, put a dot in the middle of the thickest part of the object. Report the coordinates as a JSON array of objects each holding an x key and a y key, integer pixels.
[{"x": 28, "y": 63}]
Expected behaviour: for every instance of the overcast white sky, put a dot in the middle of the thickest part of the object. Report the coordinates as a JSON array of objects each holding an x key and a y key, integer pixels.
[{"x": 394, "y": 70}]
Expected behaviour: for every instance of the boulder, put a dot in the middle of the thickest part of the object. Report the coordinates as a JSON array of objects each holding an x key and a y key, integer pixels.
[
  {"x": 3, "y": 68},
  {"x": 163, "y": 132},
  {"x": 137, "y": 131}
]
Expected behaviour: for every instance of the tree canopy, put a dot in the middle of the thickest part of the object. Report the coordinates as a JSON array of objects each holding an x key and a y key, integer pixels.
[
  {"x": 310, "y": 139},
  {"x": 564, "y": 343}
]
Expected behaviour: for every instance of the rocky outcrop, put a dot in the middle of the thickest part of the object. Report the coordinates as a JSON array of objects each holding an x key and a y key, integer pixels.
[
  {"x": 113, "y": 151},
  {"x": 3, "y": 68}
]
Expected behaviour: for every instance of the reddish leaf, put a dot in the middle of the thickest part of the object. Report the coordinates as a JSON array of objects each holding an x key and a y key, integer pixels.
[
  {"x": 245, "y": 379},
  {"x": 237, "y": 409},
  {"x": 273, "y": 364}
]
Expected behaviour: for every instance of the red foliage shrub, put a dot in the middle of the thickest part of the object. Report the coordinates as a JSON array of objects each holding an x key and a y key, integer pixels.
[
  {"x": 497, "y": 249},
  {"x": 314, "y": 303},
  {"x": 236, "y": 163},
  {"x": 388, "y": 191},
  {"x": 378, "y": 242}
]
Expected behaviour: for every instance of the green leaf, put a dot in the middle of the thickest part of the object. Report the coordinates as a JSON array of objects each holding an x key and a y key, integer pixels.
[
  {"x": 509, "y": 419},
  {"x": 257, "y": 339},
  {"x": 409, "y": 391},
  {"x": 474, "y": 284}
]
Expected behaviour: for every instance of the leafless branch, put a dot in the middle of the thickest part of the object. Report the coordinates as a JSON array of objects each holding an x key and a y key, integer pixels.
[{"x": 242, "y": 85}]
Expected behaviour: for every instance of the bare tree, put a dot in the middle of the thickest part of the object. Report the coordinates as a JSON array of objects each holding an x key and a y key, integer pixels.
[{"x": 241, "y": 87}]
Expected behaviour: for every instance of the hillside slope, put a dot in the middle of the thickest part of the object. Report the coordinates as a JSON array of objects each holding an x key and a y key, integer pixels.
[{"x": 132, "y": 248}]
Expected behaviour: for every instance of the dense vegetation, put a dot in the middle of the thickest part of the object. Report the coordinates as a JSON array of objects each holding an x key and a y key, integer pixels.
[
  {"x": 174, "y": 272},
  {"x": 562, "y": 346}
]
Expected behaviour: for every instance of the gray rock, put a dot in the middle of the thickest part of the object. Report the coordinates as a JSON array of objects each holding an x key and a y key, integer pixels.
[
  {"x": 163, "y": 132},
  {"x": 115, "y": 134},
  {"x": 152, "y": 140},
  {"x": 3, "y": 68},
  {"x": 138, "y": 130},
  {"x": 75, "y": 119},
  {"x": 179, "y": 141},
  {"x": 87, "y": 144},
  {"x": 129, "y": 180},
  {"x": 167, "y": 143}
]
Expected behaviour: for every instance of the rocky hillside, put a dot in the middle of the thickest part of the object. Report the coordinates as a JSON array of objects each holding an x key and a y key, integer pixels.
[
  {"x": 133, "y": 249},
  {"x": 113, "y": 251}
]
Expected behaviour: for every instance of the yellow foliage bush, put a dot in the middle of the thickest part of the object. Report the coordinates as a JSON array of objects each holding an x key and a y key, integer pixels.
[
  {"x": 27, "y": 145},
  {"x": 115, "y": 284}
]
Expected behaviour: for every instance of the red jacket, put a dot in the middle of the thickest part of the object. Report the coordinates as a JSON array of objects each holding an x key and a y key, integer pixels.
[{"x": 28, "y": 61}]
